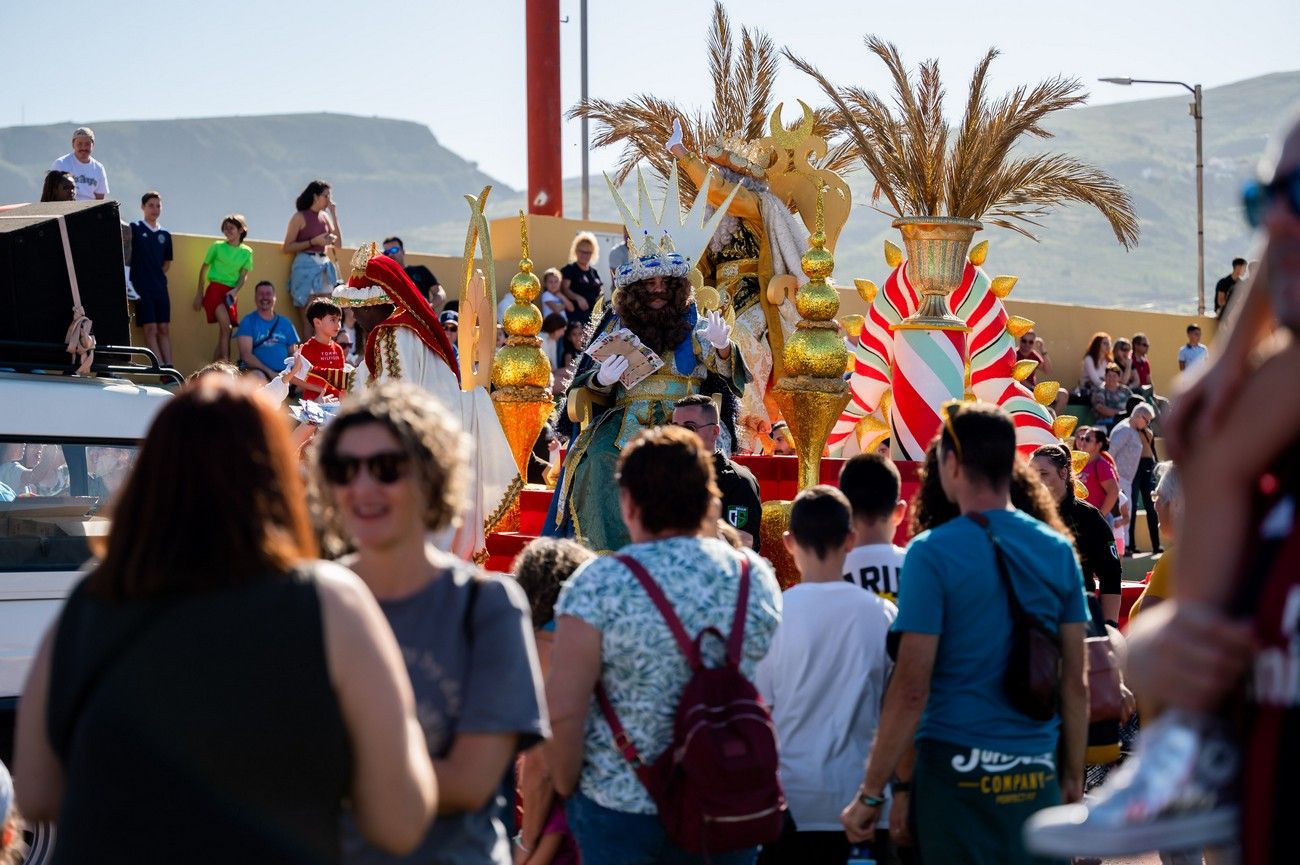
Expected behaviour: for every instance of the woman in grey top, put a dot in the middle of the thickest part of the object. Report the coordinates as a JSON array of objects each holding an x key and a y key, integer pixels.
[{"x": 390, "y": 469}]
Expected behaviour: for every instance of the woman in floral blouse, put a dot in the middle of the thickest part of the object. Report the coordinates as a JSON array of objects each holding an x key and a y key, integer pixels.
[{"x": 609, "y": 631}]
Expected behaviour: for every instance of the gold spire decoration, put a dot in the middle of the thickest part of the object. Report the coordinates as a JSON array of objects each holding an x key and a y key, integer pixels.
[
  {"x": 813, "y": 391},
  {"x": 521, "y": 373},
  {"x": 362, "y": 256}
]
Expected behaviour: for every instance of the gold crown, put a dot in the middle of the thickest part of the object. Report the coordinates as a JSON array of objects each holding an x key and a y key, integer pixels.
[
  {"x": 362, "y": 256},
  {"x": 750, "y": 158}
]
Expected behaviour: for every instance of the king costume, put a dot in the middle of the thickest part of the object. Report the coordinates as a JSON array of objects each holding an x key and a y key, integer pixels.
[
  {"x": 410, "y": 345},
  {"x": 607, "y": 416}
]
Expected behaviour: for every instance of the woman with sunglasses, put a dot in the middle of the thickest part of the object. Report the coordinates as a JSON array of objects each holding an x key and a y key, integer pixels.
[
  {"x": 209, "y": 674},
  {"x": 392, "y": 468}
]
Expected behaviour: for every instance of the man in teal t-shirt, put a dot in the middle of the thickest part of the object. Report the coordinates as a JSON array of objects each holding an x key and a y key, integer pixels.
[{"x": 981, "y": 767}]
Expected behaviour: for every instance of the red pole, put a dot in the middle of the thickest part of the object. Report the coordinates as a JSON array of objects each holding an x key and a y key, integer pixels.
[{"x": 545, "y": 180}]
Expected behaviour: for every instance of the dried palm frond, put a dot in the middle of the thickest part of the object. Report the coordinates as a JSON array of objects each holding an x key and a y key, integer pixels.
[
  {"x": 743, "y": 79},
  {"x": 905, "y": 147}
]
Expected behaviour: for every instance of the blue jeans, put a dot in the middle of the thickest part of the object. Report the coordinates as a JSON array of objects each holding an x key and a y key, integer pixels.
[{"x": 609, "y": 837}]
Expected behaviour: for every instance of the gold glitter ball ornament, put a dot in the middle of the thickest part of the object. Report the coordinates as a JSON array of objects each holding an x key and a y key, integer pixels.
[
  {"x": 520, "y": 366},
  {"x": 525, "y": 285},
  {"x": 776, "y": 520},
  {"x": 522, "y": 319},
  {"x": 1045, "y": 392},
  {"x": 1063, "y": 426},
  {"x": 818, "y": 352},
  {"x": 817, "y": 263}
]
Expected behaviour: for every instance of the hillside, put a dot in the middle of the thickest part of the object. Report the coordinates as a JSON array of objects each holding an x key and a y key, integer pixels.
[
  {"x": 389, "y": 176},
  {"x": 392, "y": 176}
]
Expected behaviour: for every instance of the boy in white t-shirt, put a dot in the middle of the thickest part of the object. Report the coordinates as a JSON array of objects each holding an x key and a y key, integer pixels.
[
  {"x": 871, "y": 484},
  {"x": 824, "y": 679}
]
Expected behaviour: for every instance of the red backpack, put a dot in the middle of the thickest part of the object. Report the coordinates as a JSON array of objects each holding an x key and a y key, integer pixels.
[{"x": 716, "y": 785}]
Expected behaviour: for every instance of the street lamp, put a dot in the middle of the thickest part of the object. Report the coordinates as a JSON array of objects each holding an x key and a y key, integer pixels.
[{"x": 1195, "y": 90}]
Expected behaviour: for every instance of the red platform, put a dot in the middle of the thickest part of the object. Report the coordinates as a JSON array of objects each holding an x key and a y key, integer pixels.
[{"x": 778, "y": 480}]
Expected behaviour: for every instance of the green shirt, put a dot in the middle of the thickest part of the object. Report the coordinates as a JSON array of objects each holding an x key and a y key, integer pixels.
[{"x": 225, "y": 262}]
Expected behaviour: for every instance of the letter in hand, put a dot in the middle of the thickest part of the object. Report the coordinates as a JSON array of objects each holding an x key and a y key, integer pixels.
[
  {"x": 610, "y": 369},
  {"x": 716, "y": 330}
]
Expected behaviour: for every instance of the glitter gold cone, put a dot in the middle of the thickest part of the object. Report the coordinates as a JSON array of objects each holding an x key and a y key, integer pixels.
[
  {"x": 811, "y": 416},
  {"x": 521, "y": 420},
  {"x": 1063, "y": 426}
]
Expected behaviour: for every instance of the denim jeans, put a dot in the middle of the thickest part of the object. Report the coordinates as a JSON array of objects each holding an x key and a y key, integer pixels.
[{"x": 608, "y": 837}]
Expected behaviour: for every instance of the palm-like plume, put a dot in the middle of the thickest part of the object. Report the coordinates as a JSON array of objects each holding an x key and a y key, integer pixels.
[
  {"x": 742, "y": 102},
  {"x": 905, "y": 147}
]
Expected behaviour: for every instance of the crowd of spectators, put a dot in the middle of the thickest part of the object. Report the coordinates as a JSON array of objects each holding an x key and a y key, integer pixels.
[{"x": 439, "y": 693}]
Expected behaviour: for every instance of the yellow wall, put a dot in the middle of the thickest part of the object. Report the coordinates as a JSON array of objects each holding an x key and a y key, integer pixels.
[
  {"x": 1066, "y": 328},
  {"x": 193, "y": 339}
]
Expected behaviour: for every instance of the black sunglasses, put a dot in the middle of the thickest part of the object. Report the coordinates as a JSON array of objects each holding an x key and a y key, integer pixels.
[
  {"x": 1258, "y": 197},
  {"x": 388, "y": 467}
]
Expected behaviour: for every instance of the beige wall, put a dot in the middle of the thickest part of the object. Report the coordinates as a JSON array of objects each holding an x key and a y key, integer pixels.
[{"x": 1067, "y": 329}]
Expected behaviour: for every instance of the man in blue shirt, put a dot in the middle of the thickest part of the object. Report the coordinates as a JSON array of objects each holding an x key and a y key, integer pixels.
[
  {"x": 980, "y": 767},
  {"x": 266, "y": 339},
  {"x": 151, "y": 257}
]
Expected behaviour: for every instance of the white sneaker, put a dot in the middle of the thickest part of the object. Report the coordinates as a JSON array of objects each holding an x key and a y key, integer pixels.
[
  {"x": 131, "y": 293},
  {"x": 1178, "y": 792}
]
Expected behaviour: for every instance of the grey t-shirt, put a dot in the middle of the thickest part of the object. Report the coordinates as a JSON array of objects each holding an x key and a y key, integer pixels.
[{"x": 473, "y": 667}]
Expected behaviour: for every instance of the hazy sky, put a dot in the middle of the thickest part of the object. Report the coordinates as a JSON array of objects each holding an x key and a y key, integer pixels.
[{"x": 459, "y": 66}]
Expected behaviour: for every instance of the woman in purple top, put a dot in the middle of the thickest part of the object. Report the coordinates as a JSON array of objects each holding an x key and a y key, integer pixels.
[{"x": 312, "y": 229}]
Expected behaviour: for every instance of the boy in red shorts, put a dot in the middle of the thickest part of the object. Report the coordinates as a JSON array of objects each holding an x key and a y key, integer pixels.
[
  {"x": 225, "y": 267},
  {"x": 321, "y": 351}
]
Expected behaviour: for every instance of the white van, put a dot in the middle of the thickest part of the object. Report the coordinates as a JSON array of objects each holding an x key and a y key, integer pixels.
[{"x": 66, "y": 444}]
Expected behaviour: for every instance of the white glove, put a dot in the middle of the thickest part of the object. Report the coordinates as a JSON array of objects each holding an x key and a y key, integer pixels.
[
  {"x": 610, "y": 369},
  {"x": 276, "y": 390},
  {"x": 675, "y": 139},
  {"x": 716, "y": 330}
]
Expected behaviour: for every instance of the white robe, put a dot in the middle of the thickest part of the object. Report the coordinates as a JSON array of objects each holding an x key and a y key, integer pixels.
[{"x": 494, "y": 476}]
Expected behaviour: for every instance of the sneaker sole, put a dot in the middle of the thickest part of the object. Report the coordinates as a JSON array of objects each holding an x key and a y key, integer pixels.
[{"x": 1188, "y": 832}]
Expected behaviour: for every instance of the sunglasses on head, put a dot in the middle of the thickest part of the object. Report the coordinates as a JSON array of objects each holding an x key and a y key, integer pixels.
[
  {"x": 392, "y": 250},
  {"x": 388, "y": 467},
  {"x": 1258, "y": 197}
]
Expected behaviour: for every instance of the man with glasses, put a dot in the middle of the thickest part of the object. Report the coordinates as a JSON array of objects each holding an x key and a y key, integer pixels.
[
  {"x": 741, "y": 504},
  {"x": 423, "y": 278}
]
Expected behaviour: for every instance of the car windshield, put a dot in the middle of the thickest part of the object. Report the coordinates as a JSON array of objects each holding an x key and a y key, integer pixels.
[{"x": 52, "y": 498}]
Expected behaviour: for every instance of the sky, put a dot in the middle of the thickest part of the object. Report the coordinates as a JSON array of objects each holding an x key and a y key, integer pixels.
[{"x": 458, "y": 67}]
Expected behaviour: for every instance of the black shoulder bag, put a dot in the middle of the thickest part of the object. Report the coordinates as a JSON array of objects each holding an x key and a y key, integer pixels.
[{"x": 1032, "y": 681}]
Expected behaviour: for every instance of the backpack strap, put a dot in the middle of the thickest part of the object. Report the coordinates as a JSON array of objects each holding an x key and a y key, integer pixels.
[
  {"x": 621, "y": 739},
  {"x": 736, "y": 640},
  {"x": 660, "y": 600}
]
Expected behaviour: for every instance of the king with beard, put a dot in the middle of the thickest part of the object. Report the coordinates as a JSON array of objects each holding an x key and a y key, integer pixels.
[{"x": 653, "y": 299}]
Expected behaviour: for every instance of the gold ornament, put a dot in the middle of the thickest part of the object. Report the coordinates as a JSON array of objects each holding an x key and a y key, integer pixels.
[
  {"x": 870, "y": 432},
  {"x": 886, "y": 403},
  {"x": 866, "y": 290},
  {"x": 1002, "y": 285},
  {"x": 1018, "y": 327},
  {"x": 476, "y": 338},
  {"x": 1045, "y": 392},
  {"x": 937, "y": 247},
  {"x": 1063, "y": 426},
  {"x": 521, "y": 372},
  {"x": 1080, "y": 489},
  {"x": 853, "y": 325},
  {"x": 1078, "y": 461},
  {"x": 978, "y": 253},
  {"x": 1023, "y": 369},
  {"x": 776, "y": 520},
  {"x": 707, "y": 298},
  {"x": 362, "y": 256},
  {"x": 893, "y": 255}
]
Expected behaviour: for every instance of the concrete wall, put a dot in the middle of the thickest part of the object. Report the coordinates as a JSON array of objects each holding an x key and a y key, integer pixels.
[{"x": 1067, "y": 329}]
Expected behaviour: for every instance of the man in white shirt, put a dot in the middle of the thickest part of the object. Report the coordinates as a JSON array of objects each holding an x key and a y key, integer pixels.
[
  {"x": 871, "y": 484},
  {"x": 1192, "y": 353},
  {"x": 824, "y": 679},
  {"x": 92, "y": 179}
]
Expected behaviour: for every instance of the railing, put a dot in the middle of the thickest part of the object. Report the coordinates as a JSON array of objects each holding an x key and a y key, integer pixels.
[{"x": 52, "y": 359}]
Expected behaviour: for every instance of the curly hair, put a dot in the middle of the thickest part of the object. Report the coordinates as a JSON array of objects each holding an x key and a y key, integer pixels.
[
  {"x": 542, "y": 567},
  {"x": 430, "y": 436},
  {"x": 669, "y": 476},
  {"x": 585, "y": 237},
  {"x": 660, "y": 329}
]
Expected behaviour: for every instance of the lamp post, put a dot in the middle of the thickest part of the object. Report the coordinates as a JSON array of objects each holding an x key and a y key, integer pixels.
[{"x": 1195, "y": 90}]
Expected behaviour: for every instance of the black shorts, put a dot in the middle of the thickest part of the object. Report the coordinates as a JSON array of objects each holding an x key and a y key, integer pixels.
[{"x": 153, "y": 307}]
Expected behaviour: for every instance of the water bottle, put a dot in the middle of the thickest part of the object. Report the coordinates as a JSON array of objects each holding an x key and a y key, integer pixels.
[{"x": 860, "y": 854}]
